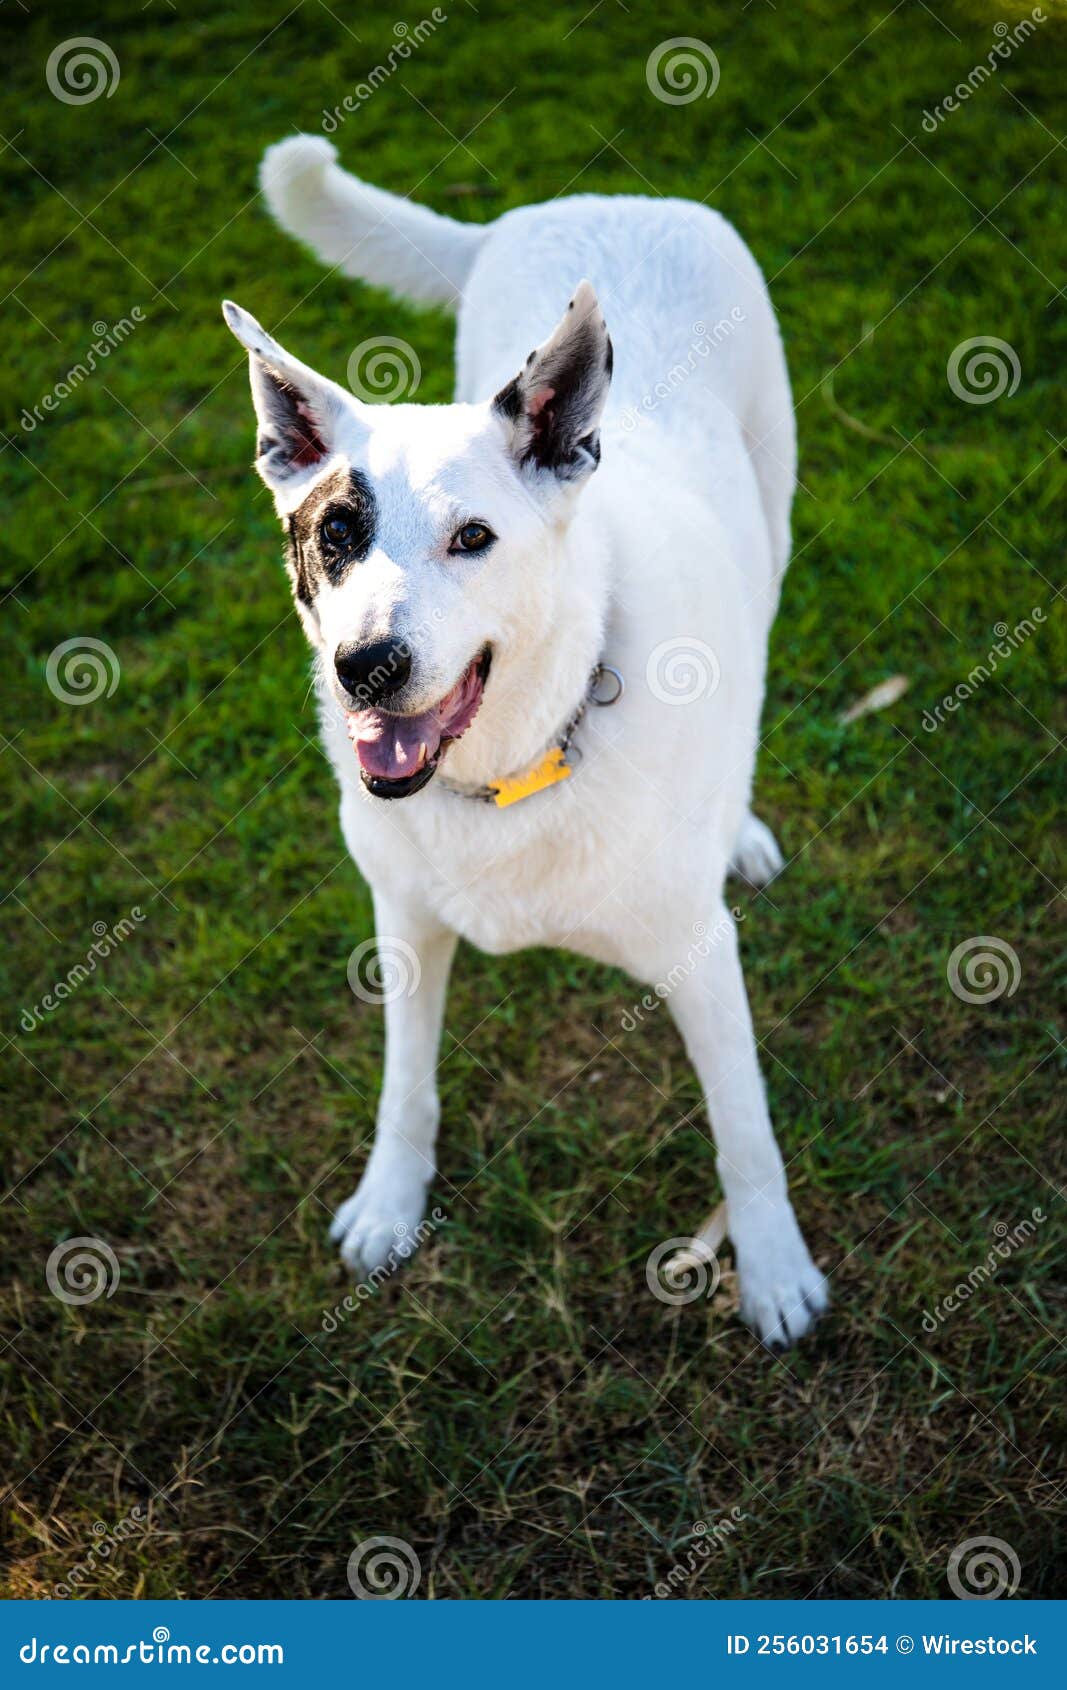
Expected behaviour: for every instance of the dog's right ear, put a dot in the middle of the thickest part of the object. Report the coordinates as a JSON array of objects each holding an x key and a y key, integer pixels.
[
  {"x": 551, "y": 410},
  {"x": 299, "y": 413}
]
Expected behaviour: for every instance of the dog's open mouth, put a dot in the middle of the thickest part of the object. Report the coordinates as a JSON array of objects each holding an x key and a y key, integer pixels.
[{"x": 399, "y": 754}]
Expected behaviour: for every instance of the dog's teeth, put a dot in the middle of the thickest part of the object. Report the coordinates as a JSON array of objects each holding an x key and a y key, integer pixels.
[{"x": 422, "y": 755}]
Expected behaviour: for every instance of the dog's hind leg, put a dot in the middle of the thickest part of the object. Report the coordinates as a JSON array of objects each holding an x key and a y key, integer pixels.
[
  {"x": 756, "y": 856},
  {"x": 782, "y": 1291},
  {"x": 378, "y": 1225}
]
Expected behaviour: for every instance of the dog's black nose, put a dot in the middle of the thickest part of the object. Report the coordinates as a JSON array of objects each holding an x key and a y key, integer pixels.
[{"x": 372, "y": 673}]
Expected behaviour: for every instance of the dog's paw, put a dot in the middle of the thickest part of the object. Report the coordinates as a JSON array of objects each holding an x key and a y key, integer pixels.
[
  {"x": 756, "y": 857},
  {"x": 783, "y": 1293},
  {"x": 378, "y": 1227}
]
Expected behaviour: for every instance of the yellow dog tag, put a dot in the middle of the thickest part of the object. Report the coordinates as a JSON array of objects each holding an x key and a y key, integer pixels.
[{"x": 554, "y": 767}]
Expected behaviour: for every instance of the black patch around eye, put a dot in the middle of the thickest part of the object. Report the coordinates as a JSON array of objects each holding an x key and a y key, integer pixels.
[
  {"x": 337, "y": 530},
  {"x": 348, "y": 493},
  {"x": 298, "y": 570}
]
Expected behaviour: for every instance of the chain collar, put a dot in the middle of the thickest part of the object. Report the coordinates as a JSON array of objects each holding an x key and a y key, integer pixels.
[{"x": 554, "y": 765}]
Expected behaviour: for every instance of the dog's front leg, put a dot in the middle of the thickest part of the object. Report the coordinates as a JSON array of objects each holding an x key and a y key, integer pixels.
[
  {"x": 782, "y": 1291},
  {"x": 377, "y": 1226}
]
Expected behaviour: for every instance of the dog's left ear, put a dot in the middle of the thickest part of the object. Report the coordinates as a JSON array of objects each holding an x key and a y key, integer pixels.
[
  {"x": 299, "y": 413},
  {"x": 552, "y": 409}
]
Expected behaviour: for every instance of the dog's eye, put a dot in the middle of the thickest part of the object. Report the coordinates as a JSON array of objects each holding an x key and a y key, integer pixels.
[
  {"x": 472, "y": 537},
  {"x": 337, "y": 529}
]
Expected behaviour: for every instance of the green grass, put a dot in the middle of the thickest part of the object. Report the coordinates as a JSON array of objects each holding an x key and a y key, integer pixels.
[{"x": 518, "y": 1407}]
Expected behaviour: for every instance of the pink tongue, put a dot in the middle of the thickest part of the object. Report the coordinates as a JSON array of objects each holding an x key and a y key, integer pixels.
[{"x": 390, "y": 746}]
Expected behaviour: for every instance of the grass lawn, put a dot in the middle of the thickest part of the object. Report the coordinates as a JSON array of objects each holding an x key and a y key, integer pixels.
[{"x": 518, "y": 1408}]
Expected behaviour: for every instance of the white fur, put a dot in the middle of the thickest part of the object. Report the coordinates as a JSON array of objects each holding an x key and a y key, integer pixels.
[
  {"x": 681, "y": 535},
  {"x": 366, "y": 232}
]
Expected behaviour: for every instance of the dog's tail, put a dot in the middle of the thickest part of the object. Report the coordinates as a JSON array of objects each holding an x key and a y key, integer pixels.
[{"x": 365, "y": 231}]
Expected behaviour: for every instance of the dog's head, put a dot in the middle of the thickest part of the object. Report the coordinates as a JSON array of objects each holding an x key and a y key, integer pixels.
[{"x": 424, "y": 540}]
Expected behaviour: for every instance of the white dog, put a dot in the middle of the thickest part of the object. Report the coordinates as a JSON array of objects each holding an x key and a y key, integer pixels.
[{"x": 472, "y": 589}]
